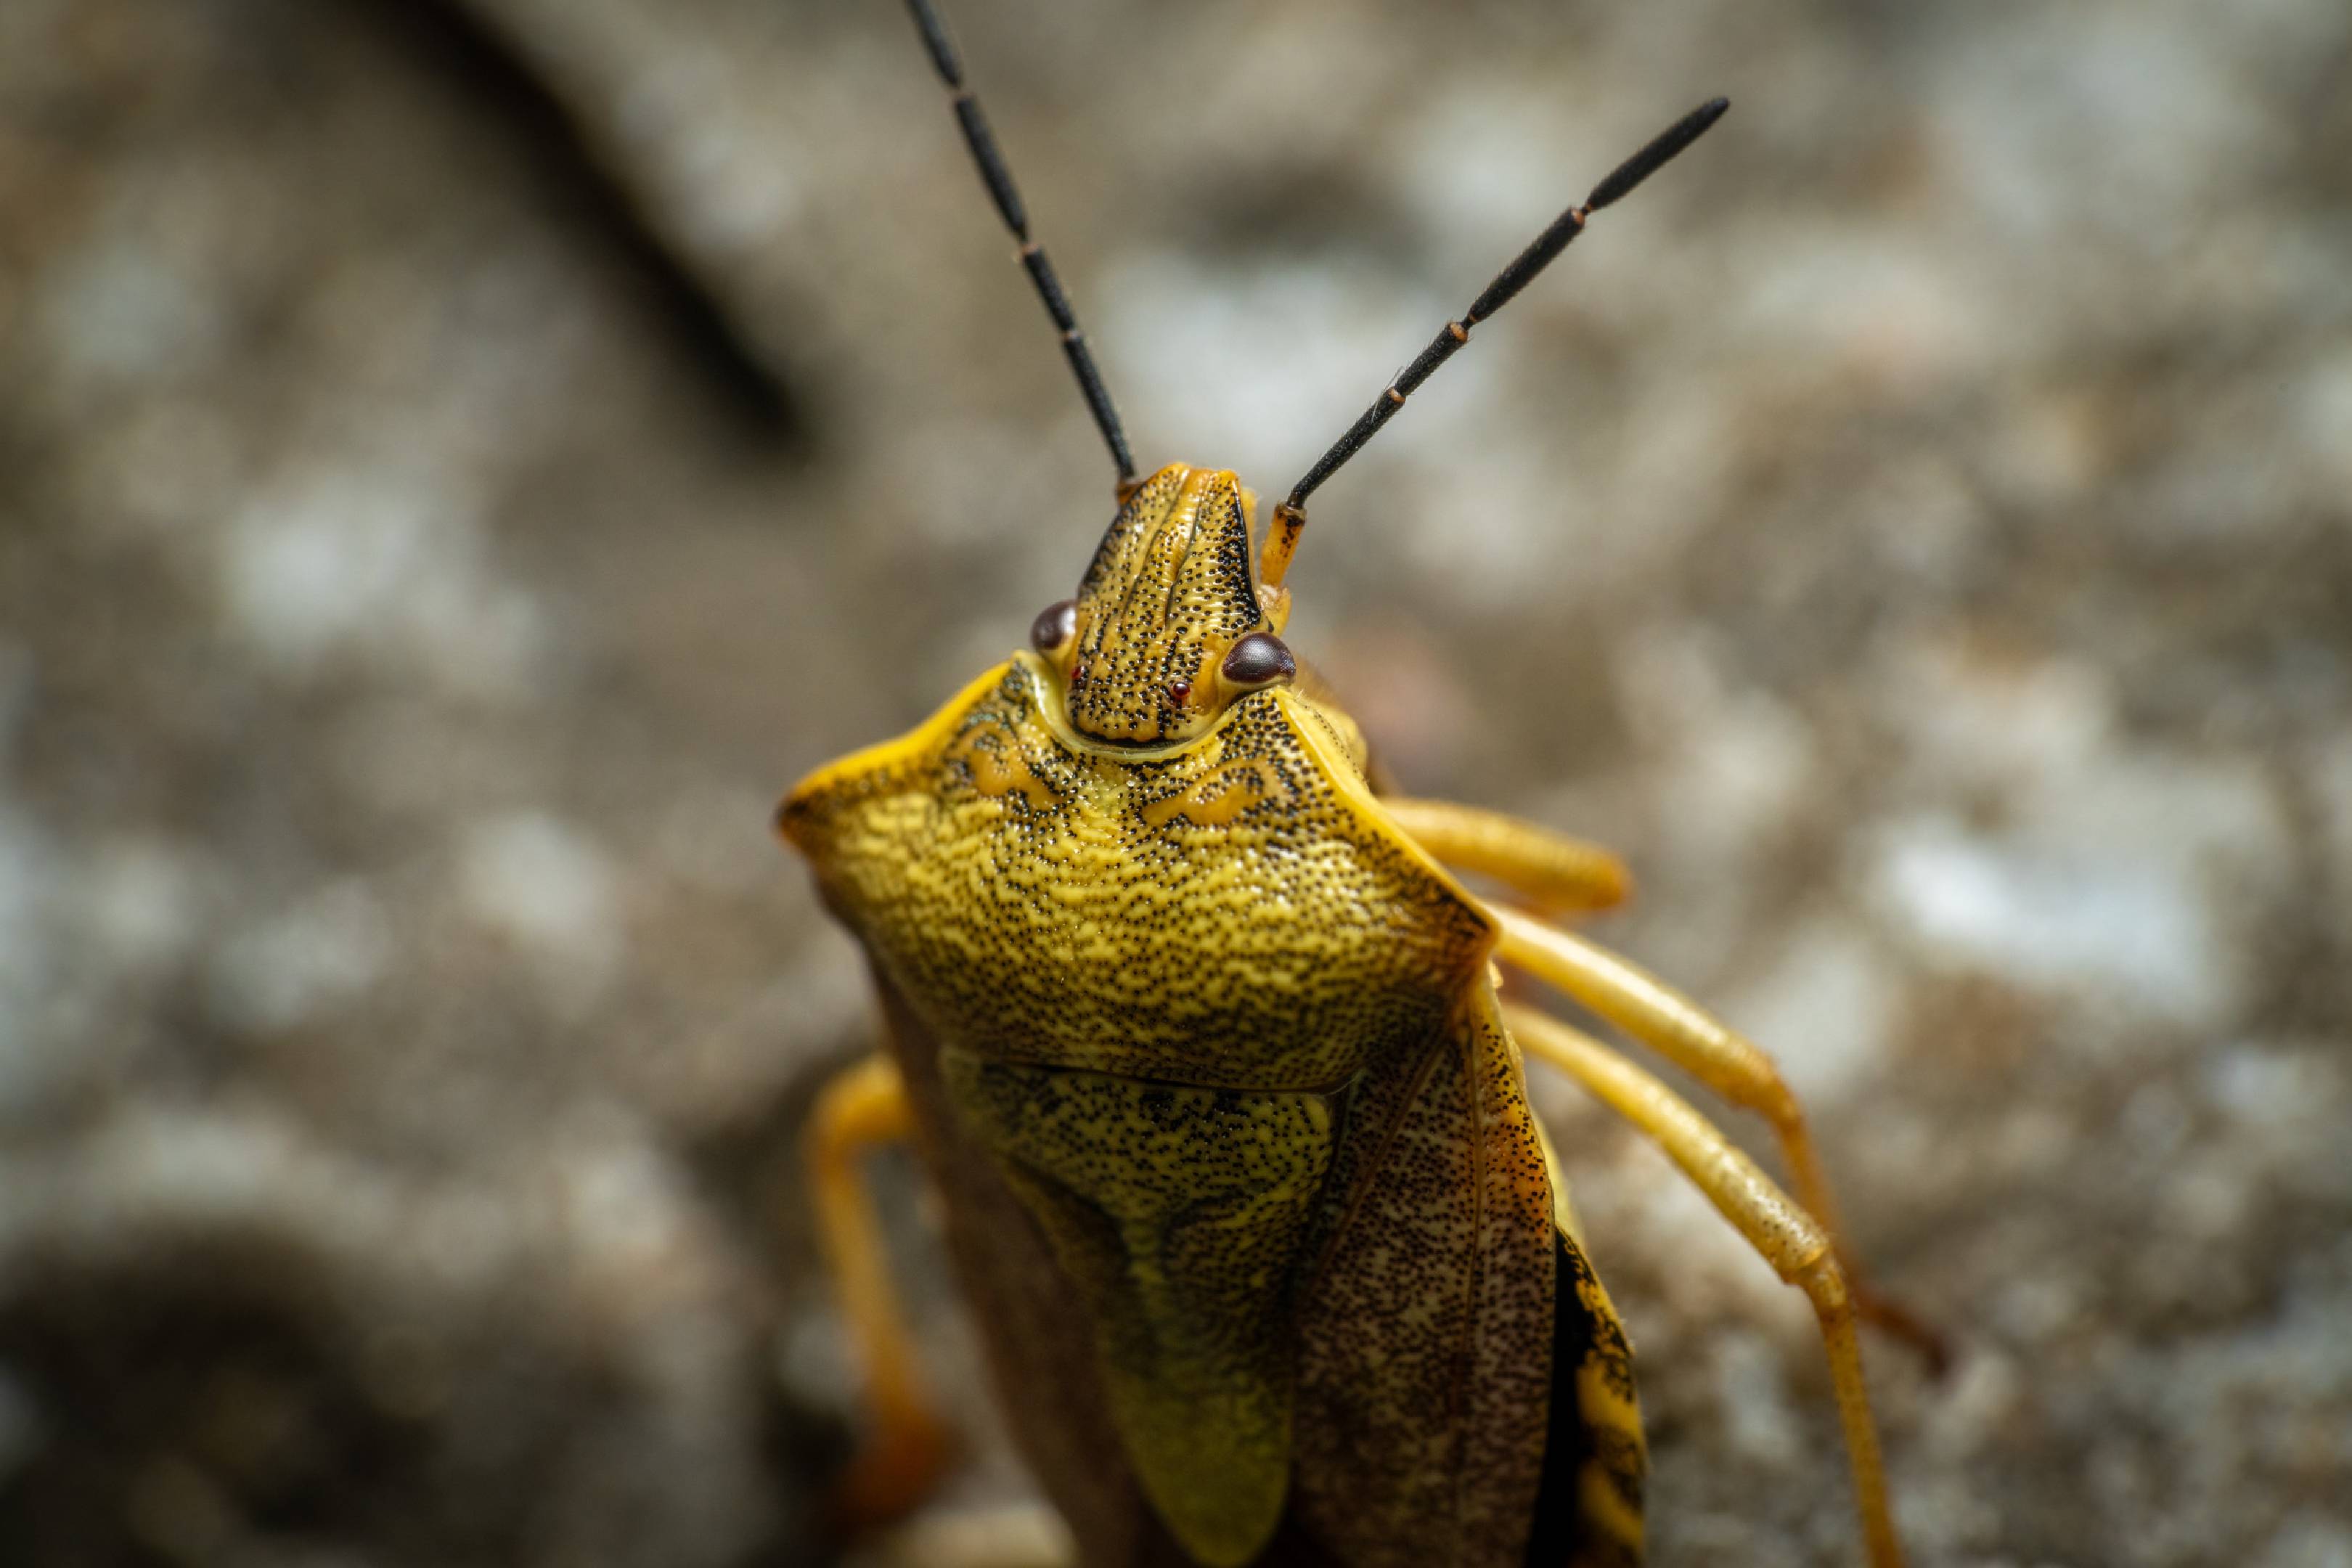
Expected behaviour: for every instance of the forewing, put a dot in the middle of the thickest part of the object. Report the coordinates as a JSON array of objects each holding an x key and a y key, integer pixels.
[{"x": 1425, "y": 1339}]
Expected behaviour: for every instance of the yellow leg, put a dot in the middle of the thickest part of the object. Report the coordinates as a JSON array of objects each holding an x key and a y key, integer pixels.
[
  {"x": 864, "y": 1106},
  {"x": 1548, "y": 870},
  {"x": 1725, "y": 1060},
  {"x": 1797, "y": 1248}
]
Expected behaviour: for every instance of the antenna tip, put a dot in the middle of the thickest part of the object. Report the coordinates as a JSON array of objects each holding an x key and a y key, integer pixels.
[{"x": 1654, "y": 157}]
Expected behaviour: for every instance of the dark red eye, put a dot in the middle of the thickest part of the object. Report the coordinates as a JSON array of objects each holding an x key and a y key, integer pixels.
[
  {"x": 1055, "y": 626},
  {"x": 1179, "y": 692},
  {"x": 1260, "y": 659}
]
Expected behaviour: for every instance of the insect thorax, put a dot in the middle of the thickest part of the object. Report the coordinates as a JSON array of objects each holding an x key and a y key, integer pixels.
[{"x": 1236, "y": 915}]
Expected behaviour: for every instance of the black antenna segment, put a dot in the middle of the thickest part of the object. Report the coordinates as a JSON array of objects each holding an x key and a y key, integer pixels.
[
  {"x": 1290, "y": 517},
  {"x": 999, "y": 179}
]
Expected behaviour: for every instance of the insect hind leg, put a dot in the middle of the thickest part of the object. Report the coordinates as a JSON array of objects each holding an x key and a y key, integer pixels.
[
  {"x": 908, "y": 1447},
  {"x": 1725, "y": 1060},
  {"x": 1798, "y": 1247}
]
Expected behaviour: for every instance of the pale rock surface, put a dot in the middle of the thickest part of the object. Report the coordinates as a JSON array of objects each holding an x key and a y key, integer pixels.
[{"x": 1918, "y": 531}]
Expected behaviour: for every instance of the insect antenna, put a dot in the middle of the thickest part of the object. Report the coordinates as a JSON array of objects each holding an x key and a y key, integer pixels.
[
  {"x": 999, "y": 179},
  {"x": 1290, "y": 517}
]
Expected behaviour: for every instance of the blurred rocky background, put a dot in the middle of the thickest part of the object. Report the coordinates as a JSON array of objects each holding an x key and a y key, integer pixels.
[{"x": 459, "y": 459}]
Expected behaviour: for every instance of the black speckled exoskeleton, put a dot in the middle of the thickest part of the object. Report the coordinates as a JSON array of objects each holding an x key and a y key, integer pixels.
[{"x": 1199, "y": 1036}]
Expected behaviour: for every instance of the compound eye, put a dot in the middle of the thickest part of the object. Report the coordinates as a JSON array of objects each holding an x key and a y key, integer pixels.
[
  {"x": 1260, "y": 659},
  {"x": 1055, "y": 625}
]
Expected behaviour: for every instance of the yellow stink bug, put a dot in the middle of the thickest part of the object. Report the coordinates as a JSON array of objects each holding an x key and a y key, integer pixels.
[{"x": 1201, "y": 1041}]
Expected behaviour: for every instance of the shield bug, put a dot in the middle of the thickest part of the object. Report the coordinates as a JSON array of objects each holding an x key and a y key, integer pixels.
[{"x": 1199, "y": 1036}]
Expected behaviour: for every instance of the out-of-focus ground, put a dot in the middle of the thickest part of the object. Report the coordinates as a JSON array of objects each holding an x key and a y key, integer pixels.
[{"x": 458, "y": 462}]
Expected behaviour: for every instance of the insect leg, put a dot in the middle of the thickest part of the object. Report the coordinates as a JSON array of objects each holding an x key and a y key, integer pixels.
[
  {"x": 1719, "y": 1056},
  {"x": 1548, "y": 868},
  {"x": 1799, "y": 1249},
  {"x": 865, "y": 1106}
]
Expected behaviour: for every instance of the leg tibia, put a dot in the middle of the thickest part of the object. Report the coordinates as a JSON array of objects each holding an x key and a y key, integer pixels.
[
  {"x": 1718, "y": 1056},
  {"x": 864, "y": 1107},
  {"x": 1544, "y": 867},
  {"x": 1789, "y": 1238}
]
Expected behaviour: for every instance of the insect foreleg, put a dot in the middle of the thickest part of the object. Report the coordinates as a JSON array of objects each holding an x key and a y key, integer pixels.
[
  {"x": 1546, "y": 869},
  {"x": 1797, "y": 1248},
  {"x": 864, "y": 1106},
  {"x": 1716, "y": 1055}
]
